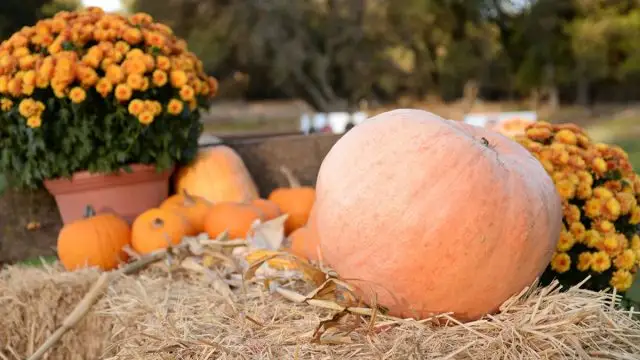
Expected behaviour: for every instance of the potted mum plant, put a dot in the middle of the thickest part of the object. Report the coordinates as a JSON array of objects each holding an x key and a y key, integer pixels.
[{"x": 99, "y": 108}]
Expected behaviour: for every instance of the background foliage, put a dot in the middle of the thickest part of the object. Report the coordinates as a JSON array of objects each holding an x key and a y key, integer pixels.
[{"x": 337, "y": 53}]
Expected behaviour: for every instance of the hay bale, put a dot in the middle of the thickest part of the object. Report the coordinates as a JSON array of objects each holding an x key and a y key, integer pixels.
[
  {"x": 33, "y": 304},
  {"x": 154, "y": 316}
]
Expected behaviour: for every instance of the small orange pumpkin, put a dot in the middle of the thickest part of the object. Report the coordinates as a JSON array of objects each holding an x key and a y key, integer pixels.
[
  {"x": 158, "y": 229},
  {"x": 296, "y": 200},
  {"x": 472, "y": 216},
  {"x": 96, "y": 240},
  {"x": 303, "y": 242},
  {"x": 217, "y": 174},
  {"x": 235, "y": 218},
  {"x": 193, "y": 208},
  {"x": 270, "y": 210}
]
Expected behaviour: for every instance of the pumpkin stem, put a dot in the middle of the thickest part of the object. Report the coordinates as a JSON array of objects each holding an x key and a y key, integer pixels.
[
  {"x": 189, "y": 199},
  {"x": 157, "y": 223},
  {"x": 89, "y": 211},
  {"x": 293, "y": 181}
]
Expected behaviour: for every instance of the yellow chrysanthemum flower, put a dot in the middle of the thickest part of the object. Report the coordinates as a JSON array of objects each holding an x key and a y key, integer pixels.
[
  {"x": 77, "y": 95},
  {"x": 635, "y": 242},
  {"x": 584, "y": 191},
  {"x": 132, "y": 35},
  {"x": 175, "y": 107},
  {"x": 604, "y": 226},
  {"x": 634, "y": 219},
  {"x": 160, "y": 78},
  {"x": 6, "y": 104},
  {"x": 593, "y": 207},
  {"x": 163, "y": 63},
  {"x": 104, "y": 87},
  {"x": 134, "y": 66},
  {"x": 571, "y": 213},
  {"x": 600, "y": 261},
  {"x": 136, "y": 107},
  {"x": 611, "y": 243},
  {"x": 34, "y": 122},
  {"x": 187, "y": 93},
  {"x": 560, "y": 263},
  {"x": 626, "y": 260},
  {"x": 27, "y": 107},
  {"x": 123, "y": 92},
  {"x": 566, "y": 241},
  {"x": 601, "y": 192},
  {"x": 599, "y": 166},
  {"x": 621, "y": 280},
  {"x": 178, "y": 78},
  {"x": 135, "y": 81},
  {"x": 578, "y": 231},
  {"x": 146, "y": 118},
  {"x": 115, "y": 74},
  {"x": 627, "y": 201},
  {"x": 612, "y": 209},
  {"x": 584, "y": 261},
  {"x": 566, "y": 189}
]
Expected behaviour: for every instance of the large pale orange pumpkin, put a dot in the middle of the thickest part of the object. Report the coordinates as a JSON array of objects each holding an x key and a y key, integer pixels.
[
  {"x": 433, "y": 215},
  {"x": 295, "y": 200},
  {"x": 95, "y": 240},
  {"x": 157, "y": 229},
  {"x": 217, "y": 174},
  {"x": 193, "y": 208}
]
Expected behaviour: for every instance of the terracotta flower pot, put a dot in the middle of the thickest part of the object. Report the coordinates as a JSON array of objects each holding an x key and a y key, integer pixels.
[{"x": 126, "y": 194}]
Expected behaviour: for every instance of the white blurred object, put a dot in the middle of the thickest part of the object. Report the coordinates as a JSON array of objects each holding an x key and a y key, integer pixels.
[
  {"x": 359, "y": 117},
  {"x": 335, "y": 122},
  {"x": 338, "y": 121},
  {"x": 507, "y": 123},
  {"x": 319, "y": 121},
  {"x": 305, "y": 123}
]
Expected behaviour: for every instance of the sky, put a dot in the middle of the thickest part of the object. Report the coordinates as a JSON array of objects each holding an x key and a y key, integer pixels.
[{"x": 106, "y": 5}]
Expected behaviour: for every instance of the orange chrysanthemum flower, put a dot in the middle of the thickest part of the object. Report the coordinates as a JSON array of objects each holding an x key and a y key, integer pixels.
[
  {"x": 77, "y": 95},
  {"x": 123, "y": 92},
  {"x": 175, "y": 107}
]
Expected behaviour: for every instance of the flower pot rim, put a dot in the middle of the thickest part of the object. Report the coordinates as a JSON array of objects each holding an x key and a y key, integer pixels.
[
  {"x": 85, "y": 174},
  {"x": 85, "y": 180}
]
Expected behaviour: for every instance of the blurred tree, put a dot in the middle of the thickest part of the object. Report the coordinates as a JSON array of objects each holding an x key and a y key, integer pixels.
[
  {"x": 335, "y": 53},
  {"x": 14, "y": 14}
]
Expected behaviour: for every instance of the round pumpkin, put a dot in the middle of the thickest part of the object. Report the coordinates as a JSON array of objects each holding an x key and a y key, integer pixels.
[
  {"x": 158, "y": 229},
  {"x": 193, "y": 208},
  {"x": 295, "y": 200},
  {"x": 96, "y": 240},
  {"x": 270, "y": 210},
  {"x": 303, "y": 243},
  {"x": 217, "y": 174},
  {"x": 235, "y": 218},
  {"x": 434, "y": 216}
]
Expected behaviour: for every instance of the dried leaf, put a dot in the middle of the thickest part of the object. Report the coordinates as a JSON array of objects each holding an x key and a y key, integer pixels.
[
  {"x": 268, "y": 235},
  {"x": 250, "y": 273},
  {"x": 194, "y": 246},
  {"x": 325, "y": 325},
  {"x": 324, "y": 291},
  {"x": 310, "y": 273}
]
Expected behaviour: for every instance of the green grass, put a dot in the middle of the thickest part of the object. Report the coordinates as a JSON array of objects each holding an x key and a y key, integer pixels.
[{"x": 39, "y": 261}]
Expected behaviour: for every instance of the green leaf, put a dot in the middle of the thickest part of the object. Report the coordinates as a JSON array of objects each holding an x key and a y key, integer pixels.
[{"x": 4, "y": 184}]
